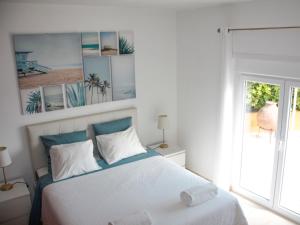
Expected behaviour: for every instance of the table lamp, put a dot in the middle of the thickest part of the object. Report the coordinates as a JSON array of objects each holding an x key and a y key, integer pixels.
[
  {"x": 5, "y": 161},
  {"x": 163, "y": 123}
]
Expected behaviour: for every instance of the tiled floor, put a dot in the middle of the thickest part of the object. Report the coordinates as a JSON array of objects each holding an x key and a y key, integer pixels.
[{"x": 257, "y": 215}]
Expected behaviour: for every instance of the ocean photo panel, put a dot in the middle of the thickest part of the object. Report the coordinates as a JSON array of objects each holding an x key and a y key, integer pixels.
[
  {"x": 90, "y": 43},
  {"x": 53, "y": 98},
  {"x": 65, "y": 70},
  {"x": 123, "y": 77}
]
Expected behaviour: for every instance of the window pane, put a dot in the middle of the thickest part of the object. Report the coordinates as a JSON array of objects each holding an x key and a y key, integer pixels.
[{"x": 259, "y": 137}]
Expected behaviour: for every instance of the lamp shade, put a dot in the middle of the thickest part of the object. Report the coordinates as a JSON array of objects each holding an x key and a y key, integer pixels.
[
  {"x": 5, "y": 159},
  {"x": 163, "y": 122}
]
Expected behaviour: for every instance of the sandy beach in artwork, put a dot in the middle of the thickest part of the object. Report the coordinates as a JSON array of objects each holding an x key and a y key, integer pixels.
[
  {"x": 53, "y": 77},
  {"x": 109, "y": 52}
]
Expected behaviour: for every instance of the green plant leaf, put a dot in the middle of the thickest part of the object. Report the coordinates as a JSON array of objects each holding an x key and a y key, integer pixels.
[{"x": 125, "y": 47}]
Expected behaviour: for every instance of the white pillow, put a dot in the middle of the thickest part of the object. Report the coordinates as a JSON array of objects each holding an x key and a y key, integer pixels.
[
  {"x": 68, "y": 160},
  {"x": 119, "y": 145}
]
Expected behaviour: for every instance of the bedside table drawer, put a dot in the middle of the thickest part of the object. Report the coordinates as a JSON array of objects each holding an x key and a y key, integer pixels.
[
  {"x": 179, "y": 159},
  {"x": 14, "y": 208}
]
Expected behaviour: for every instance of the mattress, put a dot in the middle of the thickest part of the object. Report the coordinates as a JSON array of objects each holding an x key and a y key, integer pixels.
[{"x": 152, "y": 184}]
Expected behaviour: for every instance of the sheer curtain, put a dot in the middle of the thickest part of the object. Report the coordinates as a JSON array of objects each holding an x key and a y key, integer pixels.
[{"x": 225, "y": 142}]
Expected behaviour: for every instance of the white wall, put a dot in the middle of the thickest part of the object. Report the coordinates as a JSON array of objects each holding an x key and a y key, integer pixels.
[
  {"x": 199, "y": 66},
  {"x": 199, "y": 71},
  {"x": 155, "y": 42}
]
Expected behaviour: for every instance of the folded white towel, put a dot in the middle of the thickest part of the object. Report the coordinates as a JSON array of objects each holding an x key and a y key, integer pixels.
[
  {"x": 198, "y": 194},
  {"x": 138, "y": 218}
]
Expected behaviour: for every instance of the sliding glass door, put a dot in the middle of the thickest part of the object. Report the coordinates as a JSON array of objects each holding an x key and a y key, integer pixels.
[
  {"x": 289, "y": 178},
  {"x": 261, "y": 101},
  {"x": 269, "y": 164}
]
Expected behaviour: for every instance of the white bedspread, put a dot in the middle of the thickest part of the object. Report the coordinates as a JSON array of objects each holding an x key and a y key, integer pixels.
[{"x": 153, "y": 184}]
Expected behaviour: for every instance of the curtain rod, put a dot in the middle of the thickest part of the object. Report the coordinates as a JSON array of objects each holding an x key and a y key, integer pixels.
[{"x": 262, "y": 28}]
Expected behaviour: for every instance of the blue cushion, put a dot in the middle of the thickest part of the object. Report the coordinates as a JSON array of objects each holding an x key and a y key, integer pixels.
[
  {"x": 112, "y": 126},
  {"x": 59, "y": 139}
]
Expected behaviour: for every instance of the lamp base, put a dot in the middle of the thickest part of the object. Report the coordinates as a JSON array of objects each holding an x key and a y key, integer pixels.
[
  {"x": 6, "y": 187},
  {"x": 164, "y": 145}
]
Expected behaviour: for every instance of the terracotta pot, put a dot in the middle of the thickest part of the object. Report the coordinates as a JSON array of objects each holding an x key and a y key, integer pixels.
[{"x": 267, "y": 116}]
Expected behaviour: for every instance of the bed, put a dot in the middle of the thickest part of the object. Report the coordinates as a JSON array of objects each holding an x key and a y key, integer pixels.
[{"x": 147, "y": 182}]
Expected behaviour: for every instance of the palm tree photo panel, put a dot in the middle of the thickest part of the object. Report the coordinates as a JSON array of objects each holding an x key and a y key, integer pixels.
[
  {"x": 64, "y": 70},
  {"x": 97, "y": 79}
]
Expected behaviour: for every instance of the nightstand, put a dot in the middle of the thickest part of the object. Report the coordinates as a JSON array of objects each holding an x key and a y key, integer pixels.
[
  {"x": 173, "y": 152},
  {"x": 15, "y": 205}
]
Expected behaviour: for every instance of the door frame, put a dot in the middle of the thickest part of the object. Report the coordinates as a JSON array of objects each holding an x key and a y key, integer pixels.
[
  {"x": 238, "y": 137},
  {"x": 280, "y": 146},
  {"x": 289, "y": 84}
]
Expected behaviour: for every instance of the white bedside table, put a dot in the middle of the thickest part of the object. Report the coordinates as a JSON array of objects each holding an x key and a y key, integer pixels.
[
  {"x": 15, "y": 205},
  {"x": 173, "y": 152}
]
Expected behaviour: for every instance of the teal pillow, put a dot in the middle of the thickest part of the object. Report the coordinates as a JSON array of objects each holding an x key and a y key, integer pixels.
[
  {"x": 59, "y": 139},
  {"x": 112, "y": 126}
]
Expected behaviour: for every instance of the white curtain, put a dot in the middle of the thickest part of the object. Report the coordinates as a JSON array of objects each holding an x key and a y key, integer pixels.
[{"x": 225, "y": 146}]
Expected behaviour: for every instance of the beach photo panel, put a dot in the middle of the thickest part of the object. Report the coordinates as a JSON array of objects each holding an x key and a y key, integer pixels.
[
  {"x": 48, "y": 59},
  {"x": 126, "y": 42},
  {"x": 109, "y": 43},
  {"x": 97, "y": 79},
  {"x": 90, "y": 43},
  {"x": 123, "y": 77},
  {"x": 31, "y": 101},
  {"x": 53, "y": 98}
]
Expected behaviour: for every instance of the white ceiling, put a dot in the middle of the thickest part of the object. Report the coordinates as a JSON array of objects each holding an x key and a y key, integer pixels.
[{"x": 171, "y": 4}]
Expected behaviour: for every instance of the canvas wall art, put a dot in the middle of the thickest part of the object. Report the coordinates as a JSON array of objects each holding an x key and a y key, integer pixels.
[
  {"x": 65, "y": 70},
  {"x": 53, "y": 98},
  {"x": 31, "y": 100},
  {"x": 75, "y": 94},
  {"x": 126, "y": 42},
  {"x": 97, "y": 78},
  {"x": 109, "y": 43},
  {"x": 90, "y": 43},
  {"x": 123, "y": 77}
]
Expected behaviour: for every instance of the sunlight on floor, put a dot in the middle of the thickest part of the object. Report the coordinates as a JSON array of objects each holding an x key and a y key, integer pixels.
[{"x": 257, "y": 215}]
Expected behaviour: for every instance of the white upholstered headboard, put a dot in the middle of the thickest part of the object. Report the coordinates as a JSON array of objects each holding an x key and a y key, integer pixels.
[{"x": 38, "y": 154}]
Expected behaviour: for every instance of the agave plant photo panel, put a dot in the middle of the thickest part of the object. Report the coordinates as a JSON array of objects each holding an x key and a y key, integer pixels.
[
  {"x": 90, "y": 43},
  {"x": 53, "y": 98},
  {"x": 31, "y": 101},
  {"x": 109, "y": 43},
  {"x": 75, "y": 94},
  {"x": 97, "y": 79},
  {"x": 126, "y": 42},
  {"x": 123, "y": 77}
]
